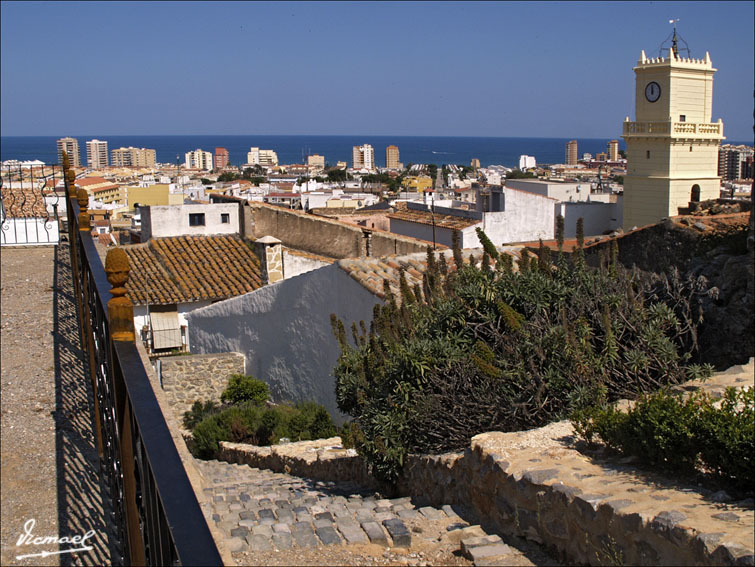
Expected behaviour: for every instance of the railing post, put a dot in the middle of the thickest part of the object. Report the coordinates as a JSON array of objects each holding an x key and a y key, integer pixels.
[
  {"x": 120, "y": 309},
  {"x": 83, "y": 199},
  {"x": 121, "y": 328}
]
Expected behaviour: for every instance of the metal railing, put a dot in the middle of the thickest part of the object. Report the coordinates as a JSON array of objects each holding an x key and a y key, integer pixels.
[
  {"x": 29, "y": 204},
  {"x": 154, "y": 505}
]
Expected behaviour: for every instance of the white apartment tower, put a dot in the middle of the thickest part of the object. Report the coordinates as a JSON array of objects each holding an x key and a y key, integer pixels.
[
  {"x": 672, "y": 146},
  {"x": 96, "y": 154},
  {"x": 199, "y": 159},
  {"x": 363, "y": 157},
  {"x": 71, "y": 147},
  {"x": 266, "y": 158}
]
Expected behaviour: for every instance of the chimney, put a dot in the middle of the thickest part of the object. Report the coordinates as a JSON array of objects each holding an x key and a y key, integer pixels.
[{"x": 270, "y": 251}]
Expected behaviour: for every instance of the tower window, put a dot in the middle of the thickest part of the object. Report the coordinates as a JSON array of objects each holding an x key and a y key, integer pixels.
[
  {"x": 690, "y": 148},
  {"x": 647, "y": 154},
  {"x": 682, "y": 118}
]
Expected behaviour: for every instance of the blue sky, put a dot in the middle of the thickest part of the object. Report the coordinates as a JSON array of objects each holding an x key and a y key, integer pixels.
[{"x": 537, "y": 69}]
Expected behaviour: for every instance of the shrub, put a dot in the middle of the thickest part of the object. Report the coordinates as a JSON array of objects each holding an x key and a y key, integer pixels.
[
  {"x": 242, "y": 388},
  {"x": 482, "y": 349},
  {"x": 257, "y": 425},
  {"x": 198, "y": 412},
  {"x": 726, "y": 436},
  {"x": 678, "y": 434}
]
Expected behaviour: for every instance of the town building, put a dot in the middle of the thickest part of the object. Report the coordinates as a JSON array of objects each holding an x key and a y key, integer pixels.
[
  {"x": 97, "y": 154},
  {"x": 71, "y": 147},
  {"x": 571, "y": 152},
  {"x": 316, "y": 161},
  {"x": 221, "y": 158},
  {"x": 527, "y": 162},
  {"x": 672, "y": 145},
  {"x": 613, "y": 151},
  {"x": 363, "y": 157},
  {"x": 170, "y": 277},
  {"x": 189, "y": 220},
  {"x": 199, "y": 159},
  {"x": 475, "y": 163},
  {"x": 133, "y": 157},
  {"x": 735, "y": 162},
  {"x": 392, "y": 160},
  {"x": 265, "y": 158}
]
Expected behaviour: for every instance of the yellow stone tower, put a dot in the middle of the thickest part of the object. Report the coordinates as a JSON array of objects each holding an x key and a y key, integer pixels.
[{"x": 672, "y": 147}]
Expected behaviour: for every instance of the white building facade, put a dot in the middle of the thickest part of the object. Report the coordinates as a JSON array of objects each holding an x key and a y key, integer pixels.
[{"x": 199, "y": 159}]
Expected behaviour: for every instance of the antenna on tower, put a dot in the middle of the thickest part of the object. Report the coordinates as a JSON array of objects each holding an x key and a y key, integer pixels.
[{"x": 674, "y": 39}]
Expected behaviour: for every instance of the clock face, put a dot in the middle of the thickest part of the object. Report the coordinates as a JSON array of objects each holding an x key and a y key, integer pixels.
[{"x": 653, "y": 91}]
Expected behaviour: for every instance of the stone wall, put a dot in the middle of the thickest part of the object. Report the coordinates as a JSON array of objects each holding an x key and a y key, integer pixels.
[
  {"x": 333, "y": 239},
  {"x": 186, "y": 379},
  {"x": 590, "y": 508}
]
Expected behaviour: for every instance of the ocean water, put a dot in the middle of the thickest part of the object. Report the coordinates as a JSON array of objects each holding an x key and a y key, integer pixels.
[{"x": 290, "y": 149}]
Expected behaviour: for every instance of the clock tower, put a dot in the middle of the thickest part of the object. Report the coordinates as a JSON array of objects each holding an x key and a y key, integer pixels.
[{"x": 672, "y": 147}]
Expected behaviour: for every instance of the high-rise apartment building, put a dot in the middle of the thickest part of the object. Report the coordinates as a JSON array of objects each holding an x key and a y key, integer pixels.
[
  {"x": 571, "y": 152},
  {"x": 363, "y": 157},
  {"x": 613, "y": 150},
  {"x": 392, "y": 157},
  {"x": 96, "y": 154},
  {"x": 71, "y": 147},
  {"x": 475, "y": 163},
  {"x": 132, "y": 157},
  {"x": 672, "y": 146},
  {"x": 221, "y": 158},
  {"x": 732, "y": 162},
  {"x": 199, "y": 159},
  {"x": 266, "y": 158}
]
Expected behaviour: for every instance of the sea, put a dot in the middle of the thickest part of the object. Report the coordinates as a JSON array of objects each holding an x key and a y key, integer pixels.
[{"x": 293, "y": 149}]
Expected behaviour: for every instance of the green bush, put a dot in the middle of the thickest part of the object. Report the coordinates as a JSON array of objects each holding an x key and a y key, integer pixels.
[
  {"x": 681, "y": 434},
  {"x": 257, "y": 425},
  {"x": 198, "y": 412},
  {"x": 484, "y": 349},
  {"x": 242, "y": 388},
  {"x": 726, "y": 436}
]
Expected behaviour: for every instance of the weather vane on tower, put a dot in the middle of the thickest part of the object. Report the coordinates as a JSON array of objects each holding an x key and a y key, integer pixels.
[{"x": 674, "y": 39}]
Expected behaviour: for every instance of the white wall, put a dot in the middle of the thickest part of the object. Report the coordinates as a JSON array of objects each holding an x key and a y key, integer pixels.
[
  {"x": 295, "y": 264},
  {"x": 29, "y": 232},
  {"x": 284, "y": 332},
  {"x": 598, "y": 217},
  {"x": 158, "y": 221},
  {"x": 555, "y": 190}
]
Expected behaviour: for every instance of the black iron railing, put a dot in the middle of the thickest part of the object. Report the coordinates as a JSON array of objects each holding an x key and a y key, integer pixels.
[{"x": 154, "y": 505}]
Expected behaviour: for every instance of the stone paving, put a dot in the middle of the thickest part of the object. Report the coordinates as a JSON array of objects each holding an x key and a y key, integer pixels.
[{"x": 261, "y": 511}]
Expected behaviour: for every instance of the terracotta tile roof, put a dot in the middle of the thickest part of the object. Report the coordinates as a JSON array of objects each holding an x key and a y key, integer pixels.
[
  {"x": 442, "y": 221},
  {"x": 88, "y": 181},
  {"x": 184, "y": 269},
  {"x": 370, "y": 272},
  {"x": 23, "y": 202}
]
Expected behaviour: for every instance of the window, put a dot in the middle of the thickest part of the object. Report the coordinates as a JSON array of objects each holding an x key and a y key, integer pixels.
[
  {"x": 682, "y": 118},
  {"x": 647, "y": 154},
  {"x": 225, "y": 218},
  {"x": 196, "y": 219}
]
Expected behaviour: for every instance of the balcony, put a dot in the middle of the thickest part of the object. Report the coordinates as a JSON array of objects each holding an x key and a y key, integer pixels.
[{"x": 696, "y": 130}]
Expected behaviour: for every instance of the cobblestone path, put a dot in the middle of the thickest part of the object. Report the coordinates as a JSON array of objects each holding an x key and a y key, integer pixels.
[{"x": 269, "y": 518}]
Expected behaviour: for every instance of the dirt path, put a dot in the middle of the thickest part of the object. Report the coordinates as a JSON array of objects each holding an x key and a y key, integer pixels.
[{"x": 49, "y": 470}]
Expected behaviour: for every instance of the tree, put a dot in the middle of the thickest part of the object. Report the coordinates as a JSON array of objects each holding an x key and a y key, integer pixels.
[
  {"x": 517, "y": 174},
  {"x": 228, "y": 176}
]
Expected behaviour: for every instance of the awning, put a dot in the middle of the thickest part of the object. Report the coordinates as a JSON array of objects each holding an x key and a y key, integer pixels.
[{"x": 166, "y": 331}]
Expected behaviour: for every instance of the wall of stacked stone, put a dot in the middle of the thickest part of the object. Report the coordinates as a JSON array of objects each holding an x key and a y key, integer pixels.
[
  {"x": 335, "y": 239},
  {"x": 203, "y": 377}
]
